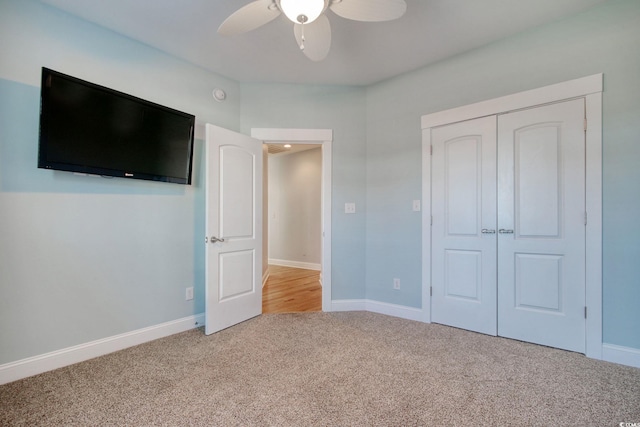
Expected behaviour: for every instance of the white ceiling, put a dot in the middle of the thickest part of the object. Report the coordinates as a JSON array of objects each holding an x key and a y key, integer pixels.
[
  {"x": 278, "y": 149},
  {"x": 361, "y": 53}
]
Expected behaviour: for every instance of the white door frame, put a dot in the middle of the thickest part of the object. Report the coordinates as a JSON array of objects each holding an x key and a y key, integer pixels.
[
  {"x": 324, "y": 137},
  {"x": 590, "y": 88}
]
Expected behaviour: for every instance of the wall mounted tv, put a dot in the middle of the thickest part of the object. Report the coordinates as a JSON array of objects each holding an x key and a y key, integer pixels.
[{"x": 90, "y": 129}]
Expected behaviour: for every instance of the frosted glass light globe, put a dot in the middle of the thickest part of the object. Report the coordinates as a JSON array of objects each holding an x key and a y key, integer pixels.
[{"x": 302, "y": 11}]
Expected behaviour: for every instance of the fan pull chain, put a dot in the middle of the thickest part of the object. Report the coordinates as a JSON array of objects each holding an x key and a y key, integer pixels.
[{"x": 302, "y": 19}]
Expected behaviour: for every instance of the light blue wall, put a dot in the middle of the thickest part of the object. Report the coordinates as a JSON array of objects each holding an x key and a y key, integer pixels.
[
  {"x": 87, "y": 258},
  {"x": 603, "y": 40},
  {"x": 341, "y": 109}
]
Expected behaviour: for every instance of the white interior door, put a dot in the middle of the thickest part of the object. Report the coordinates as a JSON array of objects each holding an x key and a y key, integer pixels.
[
  {"x": 541, "y": 221},
  {"x": 464, "y": 225},
  {"x": 233, "y": 228}
]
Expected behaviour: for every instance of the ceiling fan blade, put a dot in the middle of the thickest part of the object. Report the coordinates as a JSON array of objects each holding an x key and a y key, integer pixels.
[
  {"x": 249, "y": 17},
  {"x": 317, "y": 38},
  {"x": 369, "y": 10}
]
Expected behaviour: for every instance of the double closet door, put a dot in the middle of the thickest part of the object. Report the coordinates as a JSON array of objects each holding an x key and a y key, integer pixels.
[{"x": 508, "y": 225}]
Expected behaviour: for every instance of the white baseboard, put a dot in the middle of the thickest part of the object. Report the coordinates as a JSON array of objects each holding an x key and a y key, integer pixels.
[
  {"x": 622, "y": 355},
  {"x": 349, "y": 305},
  {"x": 68, "y": 356},
  {"x": 394, "y": 310},
  {"x": 295, "y": 264}
]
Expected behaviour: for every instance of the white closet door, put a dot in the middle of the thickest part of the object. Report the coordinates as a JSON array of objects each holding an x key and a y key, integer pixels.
[
  {"x": 541, "y": 221},
  {"x": 464, "y": 225}
]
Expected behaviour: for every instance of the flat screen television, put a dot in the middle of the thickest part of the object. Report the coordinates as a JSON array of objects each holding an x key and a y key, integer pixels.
[{"x": 91, "y": 129}]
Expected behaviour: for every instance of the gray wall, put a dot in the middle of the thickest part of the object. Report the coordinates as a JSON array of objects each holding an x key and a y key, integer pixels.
[{"x": 294, "y": 213}]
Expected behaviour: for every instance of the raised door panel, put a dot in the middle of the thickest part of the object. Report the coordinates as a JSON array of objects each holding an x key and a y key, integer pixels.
[
  {"x": 538, "y": 282},
  {"x": 236, "y": 275},
  {"x": 463, "y": 275},
  {"x": 463, "y": 185},
  {"x": 237, "y": 192},
  {"x": 538, "y": 186}
]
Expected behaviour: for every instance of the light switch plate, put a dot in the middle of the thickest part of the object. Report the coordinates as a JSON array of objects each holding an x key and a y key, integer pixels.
[{"x": 416, "y": 205}]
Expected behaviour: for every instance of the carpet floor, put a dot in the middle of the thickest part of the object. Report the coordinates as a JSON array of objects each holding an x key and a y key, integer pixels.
[{"x": 329, "y": 369}]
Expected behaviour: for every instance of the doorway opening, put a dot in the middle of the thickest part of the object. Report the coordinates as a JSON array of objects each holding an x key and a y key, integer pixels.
[
  {"x": 292, "y": 216},
  {"x": 300, "y": 139}
]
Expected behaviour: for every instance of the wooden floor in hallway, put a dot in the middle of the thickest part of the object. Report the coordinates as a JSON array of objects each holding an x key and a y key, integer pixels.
[{"x": 291, "y": 290}]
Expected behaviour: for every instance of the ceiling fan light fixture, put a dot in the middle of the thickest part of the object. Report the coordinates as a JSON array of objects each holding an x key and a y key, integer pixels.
[{"x": 302, "y": 11}]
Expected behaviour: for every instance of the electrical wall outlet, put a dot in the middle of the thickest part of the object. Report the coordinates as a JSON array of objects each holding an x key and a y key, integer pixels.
[
  {"x": 189, "y": 294},
  {"x": 396, "y": 283},
  {"x": 350, "y": 208}
]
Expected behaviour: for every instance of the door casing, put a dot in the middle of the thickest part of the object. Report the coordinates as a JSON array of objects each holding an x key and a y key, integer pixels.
[{"x": 590, "y": 88}]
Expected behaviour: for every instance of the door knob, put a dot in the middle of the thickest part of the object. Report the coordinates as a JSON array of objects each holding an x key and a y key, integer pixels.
[
  {"x": 488, "y": 231},
  {"x": 215, "y": 239},
  {"x": 503, "y": 231}
]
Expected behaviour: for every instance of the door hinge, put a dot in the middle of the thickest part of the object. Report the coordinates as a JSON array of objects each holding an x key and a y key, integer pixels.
[
  {"x": 431, "y": 150},
  {"x": 430, "y": 291},
  {"x": 585, "y": 124},
  {"x": 585, "y": 218},
  {"x": 585, "y": 311},
  {"x": 431, "y": 219}
]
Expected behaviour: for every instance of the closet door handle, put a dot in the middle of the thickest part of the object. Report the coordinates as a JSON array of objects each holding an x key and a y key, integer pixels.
[
  {"x": 488, "y": 231},
  {"x": 215, "y": 239},
  {"x": 503, "y": 231}
]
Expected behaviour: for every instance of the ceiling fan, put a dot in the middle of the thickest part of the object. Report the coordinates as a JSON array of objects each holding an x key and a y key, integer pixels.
[{"x": 311, "y": 26}]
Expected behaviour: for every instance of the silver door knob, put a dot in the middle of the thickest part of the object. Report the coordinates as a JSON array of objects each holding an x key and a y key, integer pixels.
[
  {"x": 488, "y": 231},
  {"x": 503, "y": 231},
  {"x": 215, "y": 239}
]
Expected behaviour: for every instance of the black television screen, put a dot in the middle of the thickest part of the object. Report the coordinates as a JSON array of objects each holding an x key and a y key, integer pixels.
[{"x": 87, "y": 128}]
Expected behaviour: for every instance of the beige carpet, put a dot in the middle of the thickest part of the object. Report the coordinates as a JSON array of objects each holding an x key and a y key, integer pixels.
[{"x": 329, "y": 369}]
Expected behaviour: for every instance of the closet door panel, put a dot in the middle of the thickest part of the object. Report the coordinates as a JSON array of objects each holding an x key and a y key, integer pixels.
[
  {"x": 464, "y": 222},
  {"x": 541, "y": 230}
]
